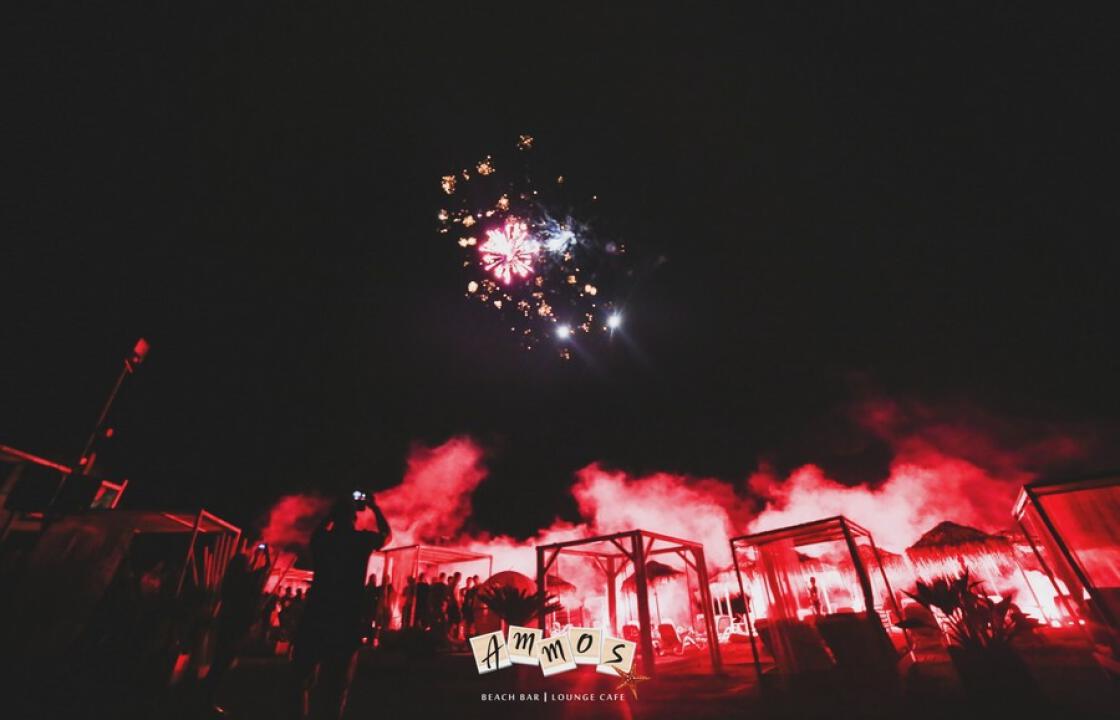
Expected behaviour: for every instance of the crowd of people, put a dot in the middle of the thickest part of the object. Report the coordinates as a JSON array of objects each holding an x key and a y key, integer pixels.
[
  {"x": 322, "y": 629},
  {"x": 175, "y": 638},
  {"x": 280, "y": 615},
  {"x": 441, "y": 605}
]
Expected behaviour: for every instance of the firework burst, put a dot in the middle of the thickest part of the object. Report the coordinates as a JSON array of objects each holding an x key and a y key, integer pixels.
[
  {"x": 508, "y": 251},
  {"x": 529, "y": 251}
]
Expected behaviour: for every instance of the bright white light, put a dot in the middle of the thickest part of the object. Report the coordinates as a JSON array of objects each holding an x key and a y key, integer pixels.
[
  {"x": 614, "y": 321},
  {"x": 559, "y": 241},
  {"x": 563, "y": 332}
]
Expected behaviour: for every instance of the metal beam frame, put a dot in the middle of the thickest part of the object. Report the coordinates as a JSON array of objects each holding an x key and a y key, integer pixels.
[
  {"x": 1100, "y": 606},
  {"x": 635, "y": 547}
]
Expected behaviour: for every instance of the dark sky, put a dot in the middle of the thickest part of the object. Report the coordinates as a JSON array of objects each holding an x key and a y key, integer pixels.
[{"x": 923, "y": 203}]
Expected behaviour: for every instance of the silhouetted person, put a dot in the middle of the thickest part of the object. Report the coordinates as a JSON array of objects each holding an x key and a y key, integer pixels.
[
  {"x": 466, "y": 607},
  {"x": 470, "y": 605},
  {"x": 292, "y": 613},
  {"x": 271, "y": 602},
  {"x": 422, "y": 594},
  {"x": 454, "y": 612},
  {"x": 814, "y": 596},
  {"x": 437, "y": 604},
  {"x": 330, "y": 633},
  {"x": 408, "y": 609},
  {"x": 385, "y": 607},
  {"x": 239, "y": 609},
  {"x": 371, "y": 602}
]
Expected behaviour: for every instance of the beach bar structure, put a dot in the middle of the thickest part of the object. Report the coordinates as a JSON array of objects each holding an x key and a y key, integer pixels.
[
  {"x": 79, "y": 559},
  {"x": 820, "y": 597},
  {"x": 1001, "y": 563},
  {"x": 632, "y": 552},
  {"x": 1073, "y": 526},
  {"x": 30, "y": 484}
]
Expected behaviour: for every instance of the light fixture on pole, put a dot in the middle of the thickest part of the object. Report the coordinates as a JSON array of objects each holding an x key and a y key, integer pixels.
[{"x": 84, "y": 465}]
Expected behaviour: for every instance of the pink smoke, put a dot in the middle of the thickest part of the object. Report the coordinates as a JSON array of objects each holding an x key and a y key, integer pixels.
[
  {"x": 916, "y": 496},
  {"x": 430, "y": 504},
  {"x": 433, "y": 500},
  {"x": 698, "y": 509},
  {"x": 949, "y": 463},
  {"x": 292, "y": 520}
]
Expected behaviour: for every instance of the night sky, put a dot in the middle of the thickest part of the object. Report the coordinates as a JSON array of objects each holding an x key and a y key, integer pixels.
[{"x": 824, "y": 202}]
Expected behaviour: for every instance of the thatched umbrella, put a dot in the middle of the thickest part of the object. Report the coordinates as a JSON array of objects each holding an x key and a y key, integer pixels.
[
  {"x": 948, "y": 533},
  {"x": 560, "y": 587},
  {"x": 557, "y": 584},
  {"x": 967, "y": 545},
  {"x": 655, "y": 572},
  {"x": 990, "y": 556}
]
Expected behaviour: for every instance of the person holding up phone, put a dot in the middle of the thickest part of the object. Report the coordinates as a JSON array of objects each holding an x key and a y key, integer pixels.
[{"x": 330, "y": 632}]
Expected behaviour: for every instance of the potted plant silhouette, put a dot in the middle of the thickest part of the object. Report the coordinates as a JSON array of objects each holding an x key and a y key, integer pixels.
[
  {"x": 979, "y": 631},
  {"x": 517, "y": 606}
]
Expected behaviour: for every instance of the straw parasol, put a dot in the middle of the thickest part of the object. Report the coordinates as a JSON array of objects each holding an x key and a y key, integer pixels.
[
  {"x": 655, "y": 572},
  {"x": 950, "y": 543}
]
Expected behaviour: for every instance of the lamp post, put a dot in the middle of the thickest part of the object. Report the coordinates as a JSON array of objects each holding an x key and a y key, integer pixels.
[
  {"x": 139, "y": 352},
  {"x": 84, "y": 465}
]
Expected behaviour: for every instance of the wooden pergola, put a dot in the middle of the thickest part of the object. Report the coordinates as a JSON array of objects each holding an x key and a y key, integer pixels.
[
  {"x": 436, "y": 557},
  {"x": 611, "y": 554},
  {"x": 832, "y": 529}
]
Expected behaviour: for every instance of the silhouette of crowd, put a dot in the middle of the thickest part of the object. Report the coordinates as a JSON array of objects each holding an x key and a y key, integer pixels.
[{"x": 441, "y": 605}]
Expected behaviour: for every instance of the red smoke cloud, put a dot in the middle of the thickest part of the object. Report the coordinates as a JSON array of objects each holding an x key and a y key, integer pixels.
[
  {"x": 429, "y": 505},
  {"x": 949, "y": 464},
  {"x": 433, "y": 500},
  {"x": 292, "y": 520},
  {"x": 704, "y": 510},
  {"x": 919, "y": 493}
]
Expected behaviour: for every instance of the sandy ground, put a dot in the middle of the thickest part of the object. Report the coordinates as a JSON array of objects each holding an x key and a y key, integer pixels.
[{"x": 392, "y": 686}]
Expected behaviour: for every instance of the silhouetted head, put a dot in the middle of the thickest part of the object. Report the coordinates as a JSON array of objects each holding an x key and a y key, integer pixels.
[
  {"x": 238, "y": 564},
  {"x": 344, "y": 514}
]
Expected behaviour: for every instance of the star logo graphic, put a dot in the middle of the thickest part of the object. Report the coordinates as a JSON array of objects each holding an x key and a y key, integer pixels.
[{"x": 630, "y": 681}]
